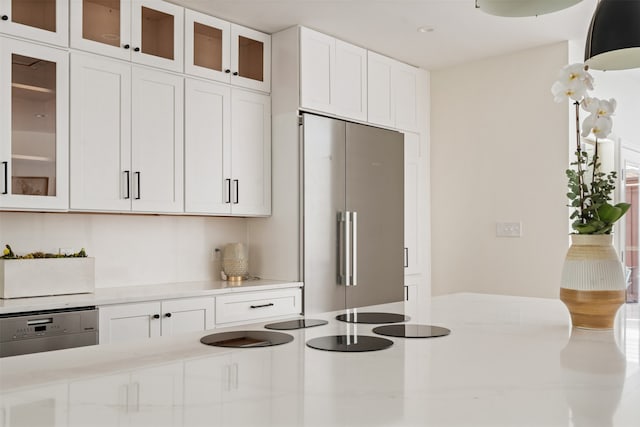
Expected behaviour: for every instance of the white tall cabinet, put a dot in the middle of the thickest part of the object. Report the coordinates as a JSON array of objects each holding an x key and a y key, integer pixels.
[
  {"x": 126, "y": 137},
  {"x": 227, "y": 150}
]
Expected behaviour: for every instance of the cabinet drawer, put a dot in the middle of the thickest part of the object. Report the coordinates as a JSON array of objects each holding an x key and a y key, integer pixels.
[{"x": 251, "y": 306}]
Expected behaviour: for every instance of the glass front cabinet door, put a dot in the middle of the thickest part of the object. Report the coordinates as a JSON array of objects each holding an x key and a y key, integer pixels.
[
  {"x": 148, "y": 32},
  {"x": 34, "y": 140},
  {"x": 226, "y": 52},
  {"x": 42, "y": 20}
]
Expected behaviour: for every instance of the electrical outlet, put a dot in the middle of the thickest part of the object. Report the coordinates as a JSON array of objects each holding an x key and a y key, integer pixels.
[{"x": 508, "y": 229}]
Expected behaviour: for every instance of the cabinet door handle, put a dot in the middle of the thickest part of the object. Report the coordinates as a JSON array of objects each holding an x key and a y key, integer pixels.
[
  {"x": 128, "y": 182},
  {"x": 167, "y": 315},
  {"x": 235, "y": 73},
  {"x": 262, "y": 305},
  {"x": 136, "y": 49},
  {"x": 6, "y": 177},
  {"x": 5, "y": 18},
  {"x": 126, "y": 46},
  {"x": 156, "y": 316},
  {"x": 227, "y": 71},
  {"x": 227, "y": 199},
  {"x": 137, "y": 174},
  {"x": 237, "y": 191},
  {"x": 406, "y": 257}
]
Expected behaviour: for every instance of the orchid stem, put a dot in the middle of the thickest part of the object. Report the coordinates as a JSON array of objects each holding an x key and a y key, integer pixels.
[{"x": 579, "y": 153}]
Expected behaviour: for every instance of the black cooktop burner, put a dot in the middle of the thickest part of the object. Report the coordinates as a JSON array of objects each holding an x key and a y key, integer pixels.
[
  {"x": 245, "y": 339},
  {"x": 349, "y": 343},
  {"x": 295, "y": 324},
  {"x": 412, "y": 331},
  {"x": 372, "y": 317}
]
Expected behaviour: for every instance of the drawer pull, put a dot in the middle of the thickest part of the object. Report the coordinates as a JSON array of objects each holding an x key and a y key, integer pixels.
[{"x": 262, "y": 305}]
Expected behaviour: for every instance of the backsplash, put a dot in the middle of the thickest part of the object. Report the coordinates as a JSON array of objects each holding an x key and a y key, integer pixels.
[{"x": 129, "y": 250}]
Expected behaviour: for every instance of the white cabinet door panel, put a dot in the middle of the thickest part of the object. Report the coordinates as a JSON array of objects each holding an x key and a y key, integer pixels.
[
  {"x": 380, "y": 103},
  {"x": 43, "y": 21},
  {"x": 405, "y": 86},
  {"x": 187, "y": 315},
  {"x": 157, "y": 134},
  {"x": 250, "y": 58},
  {"x": 316, "y": 69},
  {"x": 251, "y": 153},
  {"x": 207, "y": 147},
  {"x": 100, "y": 154},
  {"x": 350, "y": 81},
  {"x": 411, "y": 206},
  {"x": 124, "y": 322}
]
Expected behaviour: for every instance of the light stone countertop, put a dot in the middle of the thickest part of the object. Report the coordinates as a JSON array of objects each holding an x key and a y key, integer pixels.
[
  {"x": 127, "y": 294},
  {"x": 509, "y": 361}
]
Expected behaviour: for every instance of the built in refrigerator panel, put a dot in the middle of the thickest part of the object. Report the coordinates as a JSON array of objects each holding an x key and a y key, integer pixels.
[
  {"x": 353, "y": 215},
  {"x": 324, "y": 199},
  {"x": 375, "y": 196}
]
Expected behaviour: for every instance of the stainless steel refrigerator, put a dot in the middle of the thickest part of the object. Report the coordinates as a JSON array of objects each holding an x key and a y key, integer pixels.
[{"x": 353, "y": 214}]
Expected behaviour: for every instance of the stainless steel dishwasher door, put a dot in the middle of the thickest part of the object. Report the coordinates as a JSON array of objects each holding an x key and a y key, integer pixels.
[{"x": 33, "y": 332}]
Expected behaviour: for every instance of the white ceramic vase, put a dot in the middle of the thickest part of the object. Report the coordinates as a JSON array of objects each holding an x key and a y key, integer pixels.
[{"x": 593, "y": 284}]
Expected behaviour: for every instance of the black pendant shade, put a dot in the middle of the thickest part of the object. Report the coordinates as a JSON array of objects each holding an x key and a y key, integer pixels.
[{"x": 613, "y": 39}]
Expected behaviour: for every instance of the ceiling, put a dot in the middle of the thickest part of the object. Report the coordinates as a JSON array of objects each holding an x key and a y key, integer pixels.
[{"x": 461, "y": 33}]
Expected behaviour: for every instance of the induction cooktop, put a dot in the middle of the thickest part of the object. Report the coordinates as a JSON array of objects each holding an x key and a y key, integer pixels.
[
  {"x": 246, "y": 339},
  {"x": 372, "y": 317},
  {"x": 295, "y": 324},
  {"x": 349, "y": 343},
  {"x": 412, "y": 331}
]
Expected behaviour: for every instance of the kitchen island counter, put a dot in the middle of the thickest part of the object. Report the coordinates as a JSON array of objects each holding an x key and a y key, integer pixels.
[{"x": 509, "y": 361}]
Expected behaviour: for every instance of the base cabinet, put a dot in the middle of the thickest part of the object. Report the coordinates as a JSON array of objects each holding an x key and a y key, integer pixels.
[
  {"x": 41, "y": 406},
  {"x": 124, "y": 322},
  {"x": 147, "y": 397}
]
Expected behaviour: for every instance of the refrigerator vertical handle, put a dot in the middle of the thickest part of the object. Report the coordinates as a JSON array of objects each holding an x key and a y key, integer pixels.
[
  {"x": 347, "y": 248},
  {"x": 354, "y": 248}
]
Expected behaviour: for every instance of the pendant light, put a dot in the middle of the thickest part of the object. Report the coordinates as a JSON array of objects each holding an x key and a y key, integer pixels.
[
  {"x": 515, "y": 8},
  {"x": 613, "y": 39}
]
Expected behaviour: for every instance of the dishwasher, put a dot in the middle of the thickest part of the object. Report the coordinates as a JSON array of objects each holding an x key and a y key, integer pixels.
[{"x": 37, "y": 331}]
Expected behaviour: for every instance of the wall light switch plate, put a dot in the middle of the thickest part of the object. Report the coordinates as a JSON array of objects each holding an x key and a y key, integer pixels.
[{"x": 508, "y": 229}]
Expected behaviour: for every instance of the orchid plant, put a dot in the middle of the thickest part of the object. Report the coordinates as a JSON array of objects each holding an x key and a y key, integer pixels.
[{"x": 589, "y": 196}]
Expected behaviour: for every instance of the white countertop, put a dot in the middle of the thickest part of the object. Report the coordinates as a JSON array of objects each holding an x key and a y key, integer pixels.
[
  {"x": 126, "y": 294},
  {"x": 508, "y": 361}
]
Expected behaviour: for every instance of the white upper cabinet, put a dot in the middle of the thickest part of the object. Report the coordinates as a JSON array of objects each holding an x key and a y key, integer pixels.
[
  {"x": 126, "y": 137},
  {"x": 333, "y": 75},
  {"x": 42, "y": 20},
  {"x": 250, "y": 153},
  {"x": 34, "y": 132},
  {"x": 227, "y": 150},
  {"x": 226, "y": 52},
  {"x": 392, "y": 93},
  {"x": 149, "y": 32}
]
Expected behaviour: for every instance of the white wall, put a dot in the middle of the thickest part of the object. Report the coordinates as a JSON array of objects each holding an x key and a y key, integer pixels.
[
  {"x": 498, "y": 153},
  {"x": 128, "y": 249}
]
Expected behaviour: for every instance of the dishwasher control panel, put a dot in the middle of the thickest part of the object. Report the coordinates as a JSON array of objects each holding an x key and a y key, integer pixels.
[{"x": 18, "y": 326}]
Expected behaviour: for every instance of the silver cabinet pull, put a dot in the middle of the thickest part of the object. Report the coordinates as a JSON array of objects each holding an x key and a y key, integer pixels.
[
  {"x": 354, "y": 248},
  {"x": 406, "y": 257}
]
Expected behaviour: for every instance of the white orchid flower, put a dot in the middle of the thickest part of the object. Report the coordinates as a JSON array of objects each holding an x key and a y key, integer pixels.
[
  {"x": 600, "y": 126},
  {"x": 599, "y": 107},
  {"x": 576, "y": 90}
]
